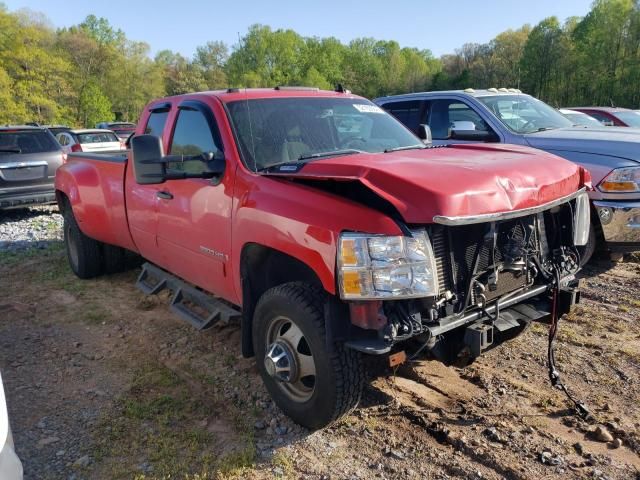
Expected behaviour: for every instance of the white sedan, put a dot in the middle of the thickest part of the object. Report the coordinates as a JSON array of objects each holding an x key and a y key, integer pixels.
[
  {"x": 96, "y": 140},
  {"x": 10, "y": 466}
]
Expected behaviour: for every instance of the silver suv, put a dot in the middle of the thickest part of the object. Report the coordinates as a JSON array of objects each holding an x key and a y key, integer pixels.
[{"x": 29, "y": 158}]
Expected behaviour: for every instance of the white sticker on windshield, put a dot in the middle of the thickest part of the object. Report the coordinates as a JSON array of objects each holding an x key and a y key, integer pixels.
[{"x": 364, "y": 108}]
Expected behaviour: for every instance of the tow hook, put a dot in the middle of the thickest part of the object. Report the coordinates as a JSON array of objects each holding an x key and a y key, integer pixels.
[{"x": 478, "y": 337}]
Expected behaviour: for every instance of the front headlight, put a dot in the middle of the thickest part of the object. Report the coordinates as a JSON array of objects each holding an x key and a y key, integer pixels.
[
  {"x": 582, "y": 221},
  {"x": 622, "y": 180},
  {"x": 377, "y": 267}
]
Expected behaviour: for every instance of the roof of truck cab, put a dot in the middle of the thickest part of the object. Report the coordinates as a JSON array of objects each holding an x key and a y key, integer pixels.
[
  {"x": 235, "y": 94},
  {"x": 469, "y": 92}
]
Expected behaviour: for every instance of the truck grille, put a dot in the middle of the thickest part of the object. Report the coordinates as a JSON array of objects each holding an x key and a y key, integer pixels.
[
  {"x": 465, "y": 242},
  {"x": 441, "y": 252}
]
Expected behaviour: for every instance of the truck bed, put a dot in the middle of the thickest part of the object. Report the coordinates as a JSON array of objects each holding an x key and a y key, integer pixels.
[{"x": 97, "y": 179}]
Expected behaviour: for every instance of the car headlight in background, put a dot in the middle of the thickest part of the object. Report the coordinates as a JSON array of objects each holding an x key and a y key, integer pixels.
[
  {"x": 372, "y": 267},
  {"x": 621, "y": 180},
  {"x": 582, "y": 221}
]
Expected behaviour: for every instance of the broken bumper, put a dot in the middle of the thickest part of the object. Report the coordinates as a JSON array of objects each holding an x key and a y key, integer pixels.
[{"x": 620, "y": 224}]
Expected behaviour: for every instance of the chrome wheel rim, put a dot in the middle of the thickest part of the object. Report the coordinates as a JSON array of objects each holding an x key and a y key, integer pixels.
[{"x": 289, "y": 361}]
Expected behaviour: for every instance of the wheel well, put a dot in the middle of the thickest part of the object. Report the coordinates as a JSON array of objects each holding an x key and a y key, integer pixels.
[
  {"x": 262, "y": 268},
  {"x": 600, "y": 240}
]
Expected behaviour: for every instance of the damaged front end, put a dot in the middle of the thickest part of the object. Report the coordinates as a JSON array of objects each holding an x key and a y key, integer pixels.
[{"x": 463, "y": 284}]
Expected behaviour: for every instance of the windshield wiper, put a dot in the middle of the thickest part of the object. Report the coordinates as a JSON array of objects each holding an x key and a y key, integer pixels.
[
  {"x": 303, "y": 159},
  {"x": 408, "y": 147},
  {"x": 10, "y": 150},
  {"x": 544, "y": 129},
  {"x": 331, "y": 153}
]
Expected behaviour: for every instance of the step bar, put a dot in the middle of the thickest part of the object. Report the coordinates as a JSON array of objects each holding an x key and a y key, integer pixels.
[{"x": 200, "y": 309}]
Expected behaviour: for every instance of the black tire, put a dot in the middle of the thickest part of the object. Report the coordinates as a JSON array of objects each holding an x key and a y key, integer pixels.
[
  {"x": 115, "y": 259},
  {"x": 589, "y": 249},
  {"x": 84, "y": 253},
  {"x": 339, "y": 374}
]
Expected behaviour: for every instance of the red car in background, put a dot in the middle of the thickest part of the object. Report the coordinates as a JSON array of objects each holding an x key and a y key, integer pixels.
[
  {"x": 122, "y": 129},
  {"x": 612, "y": 116}
]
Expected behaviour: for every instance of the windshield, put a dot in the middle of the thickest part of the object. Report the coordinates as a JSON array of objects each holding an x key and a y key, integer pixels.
[
  {"x": 630, "y": 118},
  {"x": 525, "y": 114},
  {"x": 273, "y": 131},
  {"x": 583, "y": 120}
]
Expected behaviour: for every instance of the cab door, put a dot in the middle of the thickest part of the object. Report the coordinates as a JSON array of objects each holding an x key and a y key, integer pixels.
[
  {"x": 142, "y": 200},
  {"x": 194, "y": 215}
]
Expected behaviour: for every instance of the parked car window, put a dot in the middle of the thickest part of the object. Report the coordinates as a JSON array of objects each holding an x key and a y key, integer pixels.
[
  {"x": 63, "y": 139},
  {"x": 582, "y": 119},
  {"x": 630, "y": 118},
  {"x": 525, "y": 114},
  {"x": 448, "y": 114},
  {"x": 27, "y": 141},
  {"x": 410, "y": 113},
  {"x": 191, "y": 136},
  {"x": 156, "y": 123},
  {"x": 602, "y": 118},
  {"x": 283, "y": 130},
  {"x": 97, "y": 137}
]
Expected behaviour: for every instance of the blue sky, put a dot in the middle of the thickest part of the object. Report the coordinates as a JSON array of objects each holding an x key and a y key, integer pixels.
[{"x": 181, "y": 25}]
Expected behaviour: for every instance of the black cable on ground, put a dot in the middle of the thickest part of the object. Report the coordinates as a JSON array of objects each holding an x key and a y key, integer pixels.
[{"x": 554, "y": 375}]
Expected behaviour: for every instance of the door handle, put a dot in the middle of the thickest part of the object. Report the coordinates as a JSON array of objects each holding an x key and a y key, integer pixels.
[{"x": 164, "y": 195}]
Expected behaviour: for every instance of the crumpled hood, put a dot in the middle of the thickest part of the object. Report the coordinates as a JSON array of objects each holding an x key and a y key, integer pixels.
[
  {"x": 459, "y": 180},
  {"x": 622, "y": 142}
]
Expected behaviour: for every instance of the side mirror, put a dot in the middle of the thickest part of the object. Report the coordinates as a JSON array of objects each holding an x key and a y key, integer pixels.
[
  {"x": 148, "y": 159},
  {"x": 150, "y": 163},
  {"x": 215, "y": 163},
  {"x": 424, "y": 134},
  {"x": 473, "y": 135}
]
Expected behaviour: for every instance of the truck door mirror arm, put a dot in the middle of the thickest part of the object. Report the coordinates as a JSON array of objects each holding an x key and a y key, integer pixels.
[
  {"x": 150, "y": 163},
  {"x": 424, "y": 134}
]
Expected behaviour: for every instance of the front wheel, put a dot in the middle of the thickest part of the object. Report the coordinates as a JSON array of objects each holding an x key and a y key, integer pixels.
[{"x": 312, "y": 385}]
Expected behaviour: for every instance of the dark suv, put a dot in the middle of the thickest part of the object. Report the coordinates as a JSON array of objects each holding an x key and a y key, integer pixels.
[{"x": 29, "y": 158}]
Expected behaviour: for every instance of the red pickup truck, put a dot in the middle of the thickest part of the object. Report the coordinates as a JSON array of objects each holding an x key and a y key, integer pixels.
[{"x": 330, "y": 231}]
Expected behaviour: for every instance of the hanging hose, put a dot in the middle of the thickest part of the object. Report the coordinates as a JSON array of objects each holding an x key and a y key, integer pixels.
[{"x": 554, "y": 375}]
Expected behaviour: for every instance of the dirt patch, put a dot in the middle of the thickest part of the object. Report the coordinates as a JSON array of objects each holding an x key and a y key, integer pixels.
[{"x": 104, "y": 382}]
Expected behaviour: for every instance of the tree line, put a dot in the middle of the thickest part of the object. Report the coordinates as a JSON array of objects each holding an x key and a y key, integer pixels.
[{"x": 92, "y": 72}]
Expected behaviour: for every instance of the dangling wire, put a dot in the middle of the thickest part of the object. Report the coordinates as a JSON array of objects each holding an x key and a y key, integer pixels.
[{"x": 554, "y": 375}]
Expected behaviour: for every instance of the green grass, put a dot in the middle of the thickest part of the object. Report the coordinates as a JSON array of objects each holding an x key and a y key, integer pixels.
[
  {"x": 159, "y": 419},
  {"x": 13, "y": 258}
]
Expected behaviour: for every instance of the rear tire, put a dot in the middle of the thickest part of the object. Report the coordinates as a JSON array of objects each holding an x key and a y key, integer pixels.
[
  {"x": 290, "y": 318},
  {"x": 115, "y": 259},
  {"x": 84, "y": 253}
]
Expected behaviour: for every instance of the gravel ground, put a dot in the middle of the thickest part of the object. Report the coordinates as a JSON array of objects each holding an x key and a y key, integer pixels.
[
  {"x": 34, "y": 227},
  {"x": 103, "y": 382}
]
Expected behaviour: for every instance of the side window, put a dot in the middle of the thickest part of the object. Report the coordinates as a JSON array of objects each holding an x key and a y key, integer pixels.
[
  {"x": 449, "y": 114},
  {"x": 191, "y": 136},
  {"x": 604, "y": 119},
  {"x": 156, "y": 122},
  {"x": 411, "y": 113},
  {"x": 62, "y": 139}
]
